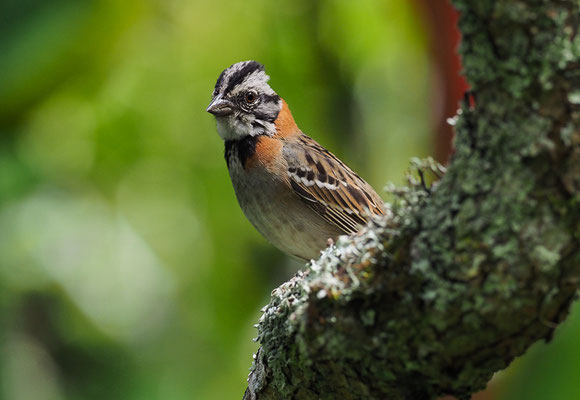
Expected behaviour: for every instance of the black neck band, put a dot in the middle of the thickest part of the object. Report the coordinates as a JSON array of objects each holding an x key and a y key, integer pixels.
[{"x": 243, "y": 148}]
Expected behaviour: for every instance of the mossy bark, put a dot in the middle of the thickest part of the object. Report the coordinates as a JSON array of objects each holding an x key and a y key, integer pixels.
[{"x": 464, "y": 275}]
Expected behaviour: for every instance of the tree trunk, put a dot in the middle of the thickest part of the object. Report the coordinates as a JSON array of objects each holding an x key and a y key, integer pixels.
[{"x": 466, "y": 274}]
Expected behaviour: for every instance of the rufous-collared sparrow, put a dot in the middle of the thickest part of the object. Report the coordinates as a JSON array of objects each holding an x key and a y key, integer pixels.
[{"x": 294, "y": 191}]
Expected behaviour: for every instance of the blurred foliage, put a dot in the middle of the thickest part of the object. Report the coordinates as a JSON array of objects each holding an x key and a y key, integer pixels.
[{"x": 127, "y": 270}]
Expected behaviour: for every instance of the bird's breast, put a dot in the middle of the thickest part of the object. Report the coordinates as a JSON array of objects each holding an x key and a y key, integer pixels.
[{"x": 274, "y": 210}]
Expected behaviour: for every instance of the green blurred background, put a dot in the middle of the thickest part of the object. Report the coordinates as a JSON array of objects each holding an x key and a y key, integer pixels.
[{"x": 127, "y": 270}]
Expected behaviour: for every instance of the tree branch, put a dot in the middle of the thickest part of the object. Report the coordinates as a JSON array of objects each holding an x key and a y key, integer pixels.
[{"x": 464, "y": 275}]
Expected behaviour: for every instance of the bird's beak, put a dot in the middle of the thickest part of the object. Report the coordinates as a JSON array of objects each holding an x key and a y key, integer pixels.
[{"x": 220, "y": 107}]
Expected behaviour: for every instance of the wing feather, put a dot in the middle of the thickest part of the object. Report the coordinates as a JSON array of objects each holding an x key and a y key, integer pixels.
[{"x": 329, "y": 187}]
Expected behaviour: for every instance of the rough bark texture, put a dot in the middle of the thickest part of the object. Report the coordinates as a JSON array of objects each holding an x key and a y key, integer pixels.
[{"x": 469, "y": 273}]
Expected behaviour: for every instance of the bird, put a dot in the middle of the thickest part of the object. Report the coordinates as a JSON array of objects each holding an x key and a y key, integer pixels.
[{"x": 296, "y": 193}]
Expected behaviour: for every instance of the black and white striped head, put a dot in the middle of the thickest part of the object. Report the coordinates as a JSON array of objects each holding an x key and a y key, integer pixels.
[{"x": 243, "y": 103}]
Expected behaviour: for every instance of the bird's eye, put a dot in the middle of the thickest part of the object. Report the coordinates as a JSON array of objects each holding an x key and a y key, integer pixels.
[{"x": 251, "y": 97}]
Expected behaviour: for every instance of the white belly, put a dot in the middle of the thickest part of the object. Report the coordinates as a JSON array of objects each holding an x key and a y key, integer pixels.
[{"x": 278, "y": 214}]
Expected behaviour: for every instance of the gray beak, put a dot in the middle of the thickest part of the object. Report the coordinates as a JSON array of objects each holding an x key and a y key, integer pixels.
[{"x": 220, "y": 107}]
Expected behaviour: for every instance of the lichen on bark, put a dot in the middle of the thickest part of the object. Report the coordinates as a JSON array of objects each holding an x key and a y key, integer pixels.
[{"x": 466, "y": 274}]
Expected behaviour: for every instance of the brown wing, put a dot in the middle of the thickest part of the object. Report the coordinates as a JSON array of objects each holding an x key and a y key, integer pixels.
[{"x": 328, "y": 186}]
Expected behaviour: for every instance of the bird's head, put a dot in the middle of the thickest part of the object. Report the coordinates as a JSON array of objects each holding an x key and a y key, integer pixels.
[{"x": 243, "y": 103}]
